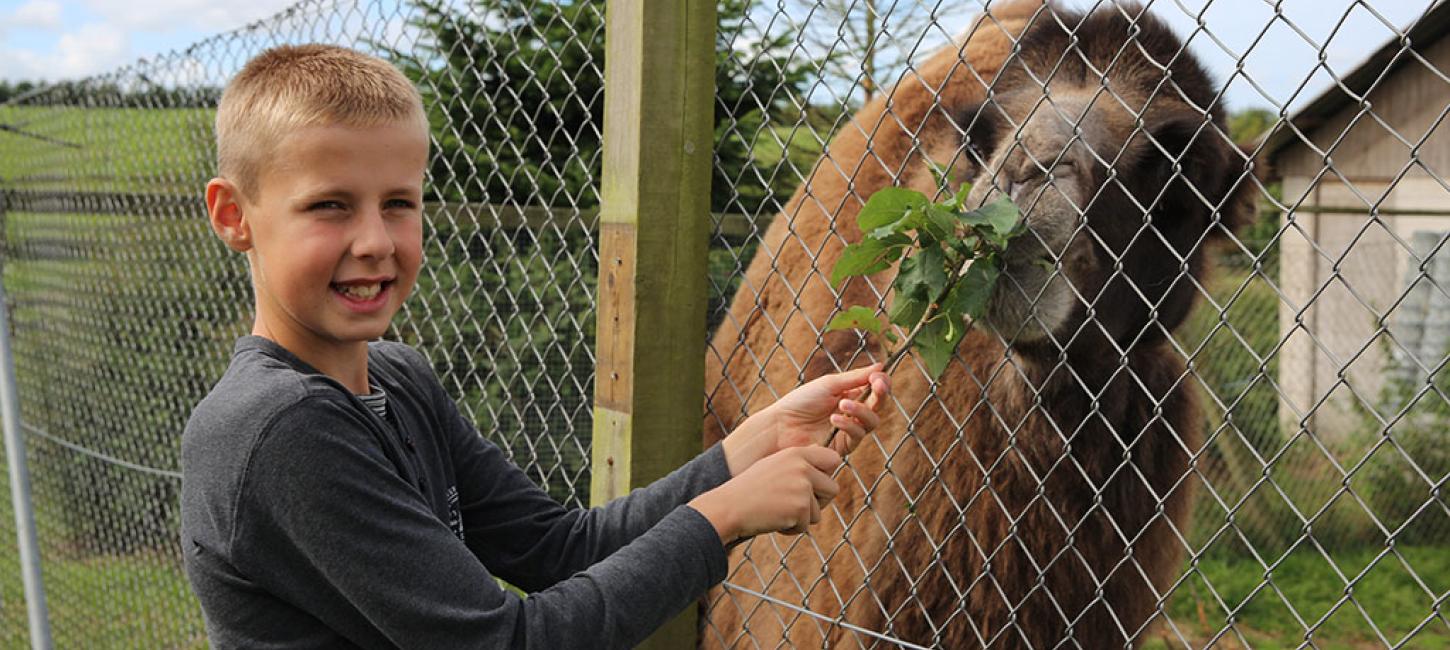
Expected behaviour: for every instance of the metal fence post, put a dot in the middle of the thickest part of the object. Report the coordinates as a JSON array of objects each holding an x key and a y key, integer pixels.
[
  {"x": 653, "y": 244},
  {"x": 20, "y": 489}
]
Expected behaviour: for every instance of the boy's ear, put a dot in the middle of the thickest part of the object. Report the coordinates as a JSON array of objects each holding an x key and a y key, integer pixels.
[{"x": 224, "y": 207}]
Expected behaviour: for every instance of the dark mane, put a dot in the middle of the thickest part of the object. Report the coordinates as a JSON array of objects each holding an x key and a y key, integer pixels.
[{"x": 1125, "y": 42}]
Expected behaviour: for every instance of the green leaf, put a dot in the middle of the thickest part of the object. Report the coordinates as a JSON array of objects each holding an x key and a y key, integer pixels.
[
  {"x": 864, "y": 258},
  {"x": 969, "y": 296},
  {"x": 961, "y": 196},
  {"x": 973, "y": 218},
  {"x": 857, "y": 317},
  {"x": 966, "y": 247},
  {"x": 895, "y": 244},
  {"x": 922, "y": 275},
  {"x": 940, "y": 222},
  {"x": 937, "y": 342},
  {"x": 1002, "y": 216},
  {"x": 888, "y": 206},
  {"x": 906, "y": 310},
  {"x": 938, "y": 173}
]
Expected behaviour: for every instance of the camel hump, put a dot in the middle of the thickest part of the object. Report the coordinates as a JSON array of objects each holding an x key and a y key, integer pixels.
[{"x": 990, "y": 38}]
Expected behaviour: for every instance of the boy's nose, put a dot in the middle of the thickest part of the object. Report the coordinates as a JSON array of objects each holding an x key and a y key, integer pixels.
[{"x": 371, "y": 238}]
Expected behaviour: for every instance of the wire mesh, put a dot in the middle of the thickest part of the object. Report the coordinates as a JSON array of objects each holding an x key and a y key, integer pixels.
[
  {"x": 1282, "y": 481},
  {"x": 1019, "y": 502},
  {"x": 125, "y": 305}
]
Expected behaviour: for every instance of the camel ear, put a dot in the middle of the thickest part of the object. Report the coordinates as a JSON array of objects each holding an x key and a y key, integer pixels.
[
  {"x": 982, "y": 127},
  {"x": 1245, "y": 175},
  {"x": 1223, "y": 177}
]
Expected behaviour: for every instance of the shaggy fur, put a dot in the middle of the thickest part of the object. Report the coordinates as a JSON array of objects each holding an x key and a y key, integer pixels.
[{"x": 1035, "y": 495}]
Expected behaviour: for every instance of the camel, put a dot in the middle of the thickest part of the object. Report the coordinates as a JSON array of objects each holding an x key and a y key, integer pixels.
[{"x": 1035, "y": 495}]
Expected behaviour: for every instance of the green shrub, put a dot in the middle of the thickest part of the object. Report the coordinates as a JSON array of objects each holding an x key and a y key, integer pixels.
[
  {"x": 115, "y": 342},
  {"x": 1407, "y": 460},
  {"x": 507, "y": 318}
]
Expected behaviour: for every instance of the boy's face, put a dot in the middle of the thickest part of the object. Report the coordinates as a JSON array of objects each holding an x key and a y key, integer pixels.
[{"x": 336, "y": 235}]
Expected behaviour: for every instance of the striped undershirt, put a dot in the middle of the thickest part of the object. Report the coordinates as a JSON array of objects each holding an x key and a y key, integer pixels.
[{"x": 377, "y": 401}]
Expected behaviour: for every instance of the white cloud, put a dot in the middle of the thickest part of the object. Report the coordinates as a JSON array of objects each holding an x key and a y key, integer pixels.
[
  {"x": 93, "y": 47},
  {"x": 208, "y": 16},
  {"x": 90, "y": 49},
  {"x": 36, "y": 14}
]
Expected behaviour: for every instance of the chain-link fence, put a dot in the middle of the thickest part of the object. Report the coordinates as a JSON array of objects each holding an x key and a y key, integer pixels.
[
  {"x": 1058, "y": 486},
  {"x": 1208, "y": 424},
  {"x": 124, "y": 305}
]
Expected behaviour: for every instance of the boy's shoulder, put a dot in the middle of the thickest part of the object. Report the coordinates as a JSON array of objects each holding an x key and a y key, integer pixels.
[
  {"x": 399, "y": 358},
  {"x": 265, "y": 380},
  {"x": 262, "y": 380},
  {"x": 269, "y": 412}
]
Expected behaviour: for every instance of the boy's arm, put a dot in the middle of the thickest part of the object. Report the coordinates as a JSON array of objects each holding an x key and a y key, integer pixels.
[
  {"x": 520, "y": 532},
  {"x": 529, "y": 539},
  {"x": 326, "y": 523}
]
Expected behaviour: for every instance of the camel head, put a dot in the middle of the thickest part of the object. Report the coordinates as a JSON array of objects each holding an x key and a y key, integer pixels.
[{"x": 1111, "y": 138}]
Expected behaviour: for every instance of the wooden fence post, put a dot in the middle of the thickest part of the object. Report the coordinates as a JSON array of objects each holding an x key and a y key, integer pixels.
[{"x": 653, "y": 240}]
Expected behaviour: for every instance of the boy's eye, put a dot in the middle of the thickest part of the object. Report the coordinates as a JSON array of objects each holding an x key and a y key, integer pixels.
[
  {"x": 325, "y": 205},
  {"x": 400, "y": 203}
]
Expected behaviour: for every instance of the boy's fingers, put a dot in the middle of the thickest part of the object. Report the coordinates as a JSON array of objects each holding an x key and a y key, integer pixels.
[
  {"x": 880, "y": 389},
  {"x": 804, "y": 518},
  {"x": 823, "y": 487},
  {"x": 850, "y": 427},
  {"x": 843, "y": 381},
  {"x": 824, "y": 459},
  {"x": 862, "y": 413}
]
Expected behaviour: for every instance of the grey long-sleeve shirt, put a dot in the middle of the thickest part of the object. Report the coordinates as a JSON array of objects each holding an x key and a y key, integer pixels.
[{"x": 308, "y": 521}]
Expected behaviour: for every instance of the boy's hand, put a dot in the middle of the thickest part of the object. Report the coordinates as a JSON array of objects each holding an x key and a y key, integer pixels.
[
  {"x": 808, "y": 415},
  {"x": 783, "y": 492}
]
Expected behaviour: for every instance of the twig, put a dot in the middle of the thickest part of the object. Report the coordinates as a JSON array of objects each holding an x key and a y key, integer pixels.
[{"x": 900, "y": 352}]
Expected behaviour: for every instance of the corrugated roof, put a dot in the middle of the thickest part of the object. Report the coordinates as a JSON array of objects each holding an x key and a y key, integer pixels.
[{"x": 1429, "y": 29}]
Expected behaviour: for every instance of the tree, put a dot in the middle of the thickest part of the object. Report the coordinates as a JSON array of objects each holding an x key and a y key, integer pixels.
[
  {"x": 515, "y": 91},
  {"x": 866, "y": 42},
  {"x": 516, "y": 94},
  {"x": 10, "y": 89},
  {"x": 1247, "y": 126}
]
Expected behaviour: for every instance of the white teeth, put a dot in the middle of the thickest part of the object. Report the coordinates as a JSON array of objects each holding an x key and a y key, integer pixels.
[{"x": 361, "y": 291}]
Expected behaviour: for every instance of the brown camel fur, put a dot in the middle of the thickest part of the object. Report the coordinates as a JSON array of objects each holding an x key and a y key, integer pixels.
[{"x": 1035, "y": 495}]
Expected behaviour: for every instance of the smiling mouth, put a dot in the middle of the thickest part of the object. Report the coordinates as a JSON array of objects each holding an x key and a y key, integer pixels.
[{"x": 361, "y": 291}]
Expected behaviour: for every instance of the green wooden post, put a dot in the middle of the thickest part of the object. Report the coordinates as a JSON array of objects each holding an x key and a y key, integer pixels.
[{"x": 653, "y": 240}]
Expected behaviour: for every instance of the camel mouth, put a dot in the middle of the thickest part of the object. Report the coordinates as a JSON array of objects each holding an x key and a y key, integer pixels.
[{"x": 1032, "y": 300}]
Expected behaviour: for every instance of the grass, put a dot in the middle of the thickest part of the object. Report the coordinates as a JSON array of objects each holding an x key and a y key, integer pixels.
[
  {"x": 95, "y": 600},
  {"x": 139, "y": 601},
  {"x": 104, "y": 602},
  {"x": 801, "y": 143},
  {"x": 1395, "y": 595},
  {"x": 106, "y": 149}
]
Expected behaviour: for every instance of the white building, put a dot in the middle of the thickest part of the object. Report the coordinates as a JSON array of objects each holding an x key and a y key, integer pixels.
[{"x": 1365, "y": 269}]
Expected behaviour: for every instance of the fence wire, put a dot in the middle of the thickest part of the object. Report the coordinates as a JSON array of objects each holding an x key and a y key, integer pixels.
[
  {"x": 1054, "y": 488},
  {"x": 125, "y": 306},
  {"x": 1266, "y": 468}
]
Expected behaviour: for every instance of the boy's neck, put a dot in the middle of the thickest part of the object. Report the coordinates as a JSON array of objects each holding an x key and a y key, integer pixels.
[{"x": 346, "y": 362}]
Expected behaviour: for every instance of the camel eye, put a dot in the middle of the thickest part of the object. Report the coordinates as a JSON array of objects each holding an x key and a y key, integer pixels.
[
  {"x": 1064, "y": 168},
  {"x": 1014, "y": 190}
]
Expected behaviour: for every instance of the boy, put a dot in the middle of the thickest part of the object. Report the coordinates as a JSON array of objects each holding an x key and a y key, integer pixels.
[{"x": 332, "y": 493}]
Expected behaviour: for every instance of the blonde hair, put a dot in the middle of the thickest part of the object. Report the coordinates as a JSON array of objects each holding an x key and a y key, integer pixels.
[{"x": 295, "y": 86}]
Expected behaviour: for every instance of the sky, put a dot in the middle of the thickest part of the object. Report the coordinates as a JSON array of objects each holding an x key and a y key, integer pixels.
[{"x": 68, "y": 39}]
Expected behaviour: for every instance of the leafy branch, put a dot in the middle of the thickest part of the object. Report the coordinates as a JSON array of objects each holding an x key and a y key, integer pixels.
[{"x": 951, "y": 261}]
